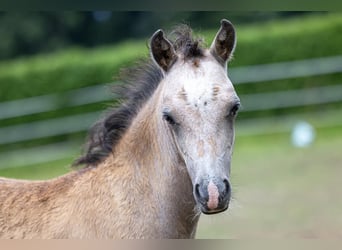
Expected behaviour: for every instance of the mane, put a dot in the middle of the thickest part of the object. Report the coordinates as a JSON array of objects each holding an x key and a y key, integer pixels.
[
  {"x": 184, "y": 42},
  {"x": 138, "y": 85}
]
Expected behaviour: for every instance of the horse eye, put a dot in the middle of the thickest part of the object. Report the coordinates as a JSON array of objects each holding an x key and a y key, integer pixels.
[
  {"x": 234, "y": 109},
  {"x": 169, "y": 119}
]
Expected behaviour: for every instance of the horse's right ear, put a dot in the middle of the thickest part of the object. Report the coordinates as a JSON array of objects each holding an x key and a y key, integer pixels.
[
  {"x": 162, "y": 50},
  {"x": 223, "y": 45}
]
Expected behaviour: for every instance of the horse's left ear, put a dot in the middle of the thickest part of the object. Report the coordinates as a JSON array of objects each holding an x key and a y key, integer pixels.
[
  {"x": 223, "y": 45},
  {"x": 162, "y": 50}
]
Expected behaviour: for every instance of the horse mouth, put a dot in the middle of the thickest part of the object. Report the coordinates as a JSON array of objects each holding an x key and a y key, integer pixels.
[{"x": 207, "y": 211}]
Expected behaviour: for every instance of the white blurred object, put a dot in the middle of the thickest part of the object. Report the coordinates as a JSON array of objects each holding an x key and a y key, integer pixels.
[{"x": 303, "y": 134}]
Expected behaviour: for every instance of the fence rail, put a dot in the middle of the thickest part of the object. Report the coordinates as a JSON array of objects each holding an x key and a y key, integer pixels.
[
  {"x": 287, "y": 70},
  {"x": 47, "y": 128}
]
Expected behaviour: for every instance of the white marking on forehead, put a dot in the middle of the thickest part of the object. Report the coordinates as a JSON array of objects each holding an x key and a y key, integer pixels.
[{"x": 201, "y": 82}]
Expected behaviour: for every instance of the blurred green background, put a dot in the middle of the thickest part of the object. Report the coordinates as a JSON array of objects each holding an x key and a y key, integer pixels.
[{"x": 55, "y": 73}]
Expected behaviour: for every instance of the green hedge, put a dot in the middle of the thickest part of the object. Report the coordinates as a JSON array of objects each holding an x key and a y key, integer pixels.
[
  {"x": 302, "y": 38},
  {"x": 306, "y": 37},
  {"x": 73, "y": 68}
]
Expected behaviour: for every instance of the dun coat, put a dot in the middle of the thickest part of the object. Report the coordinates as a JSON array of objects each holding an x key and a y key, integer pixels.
[{"x": 151, "y": 165}]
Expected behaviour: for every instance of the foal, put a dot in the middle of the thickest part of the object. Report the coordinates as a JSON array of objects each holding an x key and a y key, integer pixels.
[{"x": 153, "y": 164}]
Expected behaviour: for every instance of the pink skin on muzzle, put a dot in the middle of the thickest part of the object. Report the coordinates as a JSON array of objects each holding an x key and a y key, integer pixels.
[{"x": 213, "y": 196}]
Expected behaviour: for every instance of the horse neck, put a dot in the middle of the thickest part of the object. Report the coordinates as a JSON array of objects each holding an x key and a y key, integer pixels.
[{"x": 148, "y": 148}]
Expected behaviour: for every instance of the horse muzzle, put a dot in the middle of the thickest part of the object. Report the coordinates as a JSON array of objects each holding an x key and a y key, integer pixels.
[{"x": 213, "y": 195}]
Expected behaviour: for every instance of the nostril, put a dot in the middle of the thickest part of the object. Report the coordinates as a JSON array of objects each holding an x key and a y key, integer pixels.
[
  {"x": 227, "y": 186},
  {"x": 197, "y": 190}
]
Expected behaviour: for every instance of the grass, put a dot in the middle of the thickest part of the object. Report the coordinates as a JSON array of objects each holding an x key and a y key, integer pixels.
[{"x": 41, "y": 171}]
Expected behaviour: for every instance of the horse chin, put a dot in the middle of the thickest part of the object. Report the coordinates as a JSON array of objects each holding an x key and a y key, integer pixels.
[{"x": 213, "y": 211}]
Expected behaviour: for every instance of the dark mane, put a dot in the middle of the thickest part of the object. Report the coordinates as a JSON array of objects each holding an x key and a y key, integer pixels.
[{"x": 139, "y": 83}]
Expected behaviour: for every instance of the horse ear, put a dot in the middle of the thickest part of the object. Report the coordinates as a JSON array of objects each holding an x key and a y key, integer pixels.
[
  {"x": 162, "y": 50},
  {"x": 223, "y": 45}
]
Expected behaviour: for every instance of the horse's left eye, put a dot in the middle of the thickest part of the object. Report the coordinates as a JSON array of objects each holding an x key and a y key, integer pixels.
[
  {"x": 234, "y": 109},
  {"x": 167, "y": 117}
]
